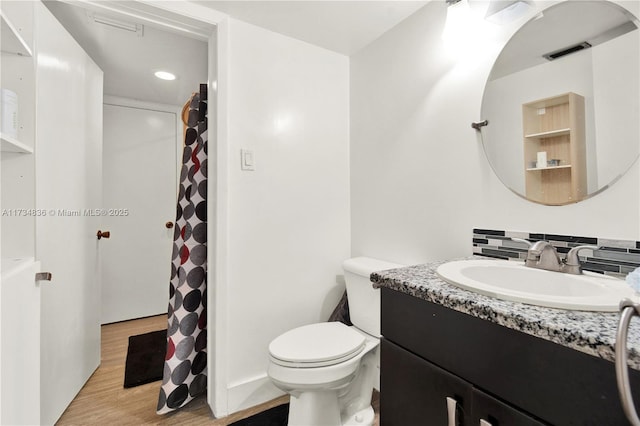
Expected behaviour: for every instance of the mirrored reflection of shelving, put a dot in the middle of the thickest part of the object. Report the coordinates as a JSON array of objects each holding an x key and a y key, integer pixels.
[
  {"x": 533, "y": 169},
  {"x": 555, "y": 126},
  {"x": 548, "y": 134}
]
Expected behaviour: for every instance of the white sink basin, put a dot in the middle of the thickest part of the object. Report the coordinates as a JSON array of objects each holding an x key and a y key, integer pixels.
[{"x": 513, "y": 281}]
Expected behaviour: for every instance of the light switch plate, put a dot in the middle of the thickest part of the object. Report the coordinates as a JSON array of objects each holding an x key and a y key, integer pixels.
[{"x": 247, "y": 160}]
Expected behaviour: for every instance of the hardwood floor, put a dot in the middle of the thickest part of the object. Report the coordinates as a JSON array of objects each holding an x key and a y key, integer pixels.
[{"x": 104, "y": 401}]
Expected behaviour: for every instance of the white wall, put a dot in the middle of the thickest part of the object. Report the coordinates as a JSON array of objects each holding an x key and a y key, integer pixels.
[
  {"x": 420, "y": 181},
  {"x": 288, "y": 221}
]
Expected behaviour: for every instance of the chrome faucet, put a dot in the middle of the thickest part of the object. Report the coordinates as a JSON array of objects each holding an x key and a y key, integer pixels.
[{"x": 542, "y": 255}]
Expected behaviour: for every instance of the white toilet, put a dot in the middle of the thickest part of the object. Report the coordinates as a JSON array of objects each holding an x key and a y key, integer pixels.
[{"x": 330, "y": 369}]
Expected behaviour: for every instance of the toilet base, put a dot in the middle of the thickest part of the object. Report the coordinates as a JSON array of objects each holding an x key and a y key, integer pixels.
[
  {"x": 322, "y": 409},
  {"x": 364, "y": 417},
  {"x": 335, "y": 395},
  {"x": 314, "y": 409}
]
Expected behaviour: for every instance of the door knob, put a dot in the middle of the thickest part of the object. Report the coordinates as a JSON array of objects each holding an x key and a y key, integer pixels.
[
  {"x": 103, "y": 234},
  {"x": 169, "y": 225}
]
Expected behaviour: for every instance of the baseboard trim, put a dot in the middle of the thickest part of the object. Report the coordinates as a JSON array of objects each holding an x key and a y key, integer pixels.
[{"x": 251, "y": 392}]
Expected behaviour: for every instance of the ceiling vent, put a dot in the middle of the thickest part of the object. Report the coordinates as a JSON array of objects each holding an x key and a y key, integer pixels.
[
  {"x": 566, "y": 51},
  {"x": 131, "y": 27}
]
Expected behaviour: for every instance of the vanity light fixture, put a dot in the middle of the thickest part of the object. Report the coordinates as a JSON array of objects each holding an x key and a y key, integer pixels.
[
  {"x": 465, "y": 31},
  {"x": 502, "y": 11},
  {"x": 164, "y": 75},
  {"x": 458, "y": 20}
]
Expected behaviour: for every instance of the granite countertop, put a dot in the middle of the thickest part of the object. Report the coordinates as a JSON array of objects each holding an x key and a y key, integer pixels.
[{"x": 593, "y": 333}]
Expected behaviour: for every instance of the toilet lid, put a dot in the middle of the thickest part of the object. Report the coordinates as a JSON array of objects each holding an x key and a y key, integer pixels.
[{"x": 317, "y": 345}]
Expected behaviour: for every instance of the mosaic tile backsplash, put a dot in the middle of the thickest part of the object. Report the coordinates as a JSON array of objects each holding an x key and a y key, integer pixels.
[{"x": 613, "y": 257}]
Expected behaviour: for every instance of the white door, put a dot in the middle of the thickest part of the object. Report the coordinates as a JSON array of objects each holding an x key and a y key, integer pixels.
[
  {"x": 139, "y": 188},
  {"x": 68, "y": 183}
]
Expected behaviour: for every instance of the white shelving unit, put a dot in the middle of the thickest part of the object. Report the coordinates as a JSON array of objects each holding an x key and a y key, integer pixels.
[
  {"x": 10, "y": 144},
  {"x": 12, "y": 40},
  {"x": 19, "y": 292},
  {"x": 12, "y": 266},
  {"x": 17, "y": 162},
  {"x": 13, "y": 43}
]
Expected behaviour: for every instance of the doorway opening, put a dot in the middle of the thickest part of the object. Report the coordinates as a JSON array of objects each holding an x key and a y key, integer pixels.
[
  {"x": 140, "y": 93},
  {"x": 142, "y": 142}
]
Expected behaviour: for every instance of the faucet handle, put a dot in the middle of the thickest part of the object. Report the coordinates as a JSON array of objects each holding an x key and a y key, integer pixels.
[
  {"x": 572, "y": 256},
  {"x": 522, "y": 240},
  {"x": 572, "y": 262}
]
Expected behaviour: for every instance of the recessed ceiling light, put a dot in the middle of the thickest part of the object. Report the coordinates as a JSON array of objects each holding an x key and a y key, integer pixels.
[{"x": 164, "y": 75}]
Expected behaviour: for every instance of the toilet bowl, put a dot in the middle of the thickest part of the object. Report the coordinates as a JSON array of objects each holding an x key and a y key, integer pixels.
[{"x": 330, "y": 369}]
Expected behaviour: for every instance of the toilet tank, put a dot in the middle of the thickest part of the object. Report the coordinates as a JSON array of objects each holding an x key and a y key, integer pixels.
[{"x": 364, "y": 300}]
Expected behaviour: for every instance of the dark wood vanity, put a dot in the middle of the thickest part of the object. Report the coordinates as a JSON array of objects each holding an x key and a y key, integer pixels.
[{"x": 496, "y": 374}]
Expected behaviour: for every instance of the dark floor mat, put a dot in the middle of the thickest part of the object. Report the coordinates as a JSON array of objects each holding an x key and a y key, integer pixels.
[
  {"x": 145, "y": 358},
  {"x": 276, "y": 416}
]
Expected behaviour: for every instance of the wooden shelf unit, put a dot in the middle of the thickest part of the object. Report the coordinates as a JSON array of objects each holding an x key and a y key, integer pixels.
[
  {"x": 533, "y": 169},
  {"x": 548, "y": 134},
  {"x": 555, "y": 125}
]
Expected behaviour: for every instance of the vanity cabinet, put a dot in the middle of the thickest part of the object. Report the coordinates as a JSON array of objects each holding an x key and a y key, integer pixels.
[
  {"x": 444, "y": 398},
  {"x": 420, "y": 389},
  {"x": 555, "y": 126},
  {"x": 498, "y": 375},
  {"x": 489, "y": 411}
]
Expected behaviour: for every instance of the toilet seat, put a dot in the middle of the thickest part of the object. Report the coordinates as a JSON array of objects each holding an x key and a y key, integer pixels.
[{"x": 316, "y": 345}]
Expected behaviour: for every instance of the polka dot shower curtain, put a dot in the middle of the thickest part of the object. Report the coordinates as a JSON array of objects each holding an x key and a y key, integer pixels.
[{"x": 185, "y": 369}]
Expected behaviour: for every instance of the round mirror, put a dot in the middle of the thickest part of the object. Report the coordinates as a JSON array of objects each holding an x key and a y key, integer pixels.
[{"x": 562, "y": 102}]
